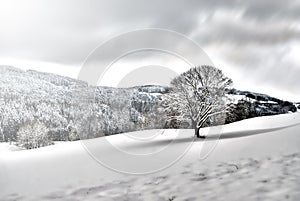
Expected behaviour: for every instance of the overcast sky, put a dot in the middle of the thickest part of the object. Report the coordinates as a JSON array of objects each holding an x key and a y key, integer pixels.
[{"x": 257, "y": 42}]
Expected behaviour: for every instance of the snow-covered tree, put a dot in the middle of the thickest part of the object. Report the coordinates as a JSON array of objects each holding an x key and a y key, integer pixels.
[
  {"x": 197, "y": 95},
  {"x": 33, "y": 135}
]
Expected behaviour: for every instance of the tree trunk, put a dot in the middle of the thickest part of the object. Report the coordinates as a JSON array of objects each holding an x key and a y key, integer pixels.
[
  {"x": 197, "y": 131},
  {"x": 194, "y": 125},
  {"x": 197, "y": 127}
]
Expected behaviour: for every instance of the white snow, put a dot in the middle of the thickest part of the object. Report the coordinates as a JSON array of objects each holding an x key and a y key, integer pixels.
[
  {"x": 6, "y": 147},
  {"x": 255, "y": 159}
]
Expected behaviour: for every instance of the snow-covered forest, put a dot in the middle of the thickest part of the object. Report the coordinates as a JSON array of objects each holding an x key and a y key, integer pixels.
[{"x": 69, "y": 109}]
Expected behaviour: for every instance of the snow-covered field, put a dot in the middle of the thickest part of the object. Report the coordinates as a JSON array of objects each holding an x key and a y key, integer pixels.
[{"x": 254, "y": 159}]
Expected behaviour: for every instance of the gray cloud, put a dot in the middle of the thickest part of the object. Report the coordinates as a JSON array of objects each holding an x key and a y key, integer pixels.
[
  {"x": 243, "y": 33},
  {"x": 273, "y": 9},
  {"x": 65, "y": 31},
  {"x": 246, "y": 33}
]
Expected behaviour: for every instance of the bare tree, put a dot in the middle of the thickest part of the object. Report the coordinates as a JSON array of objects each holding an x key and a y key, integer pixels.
[{"x": 197, "y": 95}]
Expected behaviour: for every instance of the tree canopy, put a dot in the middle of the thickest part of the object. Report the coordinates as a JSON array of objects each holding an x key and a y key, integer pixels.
[{"x": 198, "y": 94}]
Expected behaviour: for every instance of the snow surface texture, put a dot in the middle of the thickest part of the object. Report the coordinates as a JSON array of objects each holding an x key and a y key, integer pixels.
[{"x": 255, "y": 159}]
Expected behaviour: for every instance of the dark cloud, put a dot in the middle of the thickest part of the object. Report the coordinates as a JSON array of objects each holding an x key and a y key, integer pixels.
[
  {"x": 243, "y": 32},
  {"x": 273, "y": 10}
]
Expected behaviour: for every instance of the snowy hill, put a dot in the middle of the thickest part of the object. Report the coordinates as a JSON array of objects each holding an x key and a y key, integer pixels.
[
  {"x": 261, "y": 153},
  {"x": 72, "y": 110},
  {"x": 67, "y": 106}
]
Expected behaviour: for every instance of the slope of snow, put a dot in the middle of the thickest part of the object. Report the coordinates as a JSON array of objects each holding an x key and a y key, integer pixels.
[
  {"x": 5, "y": 148},
  {"x": 257, "y": 158}
]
